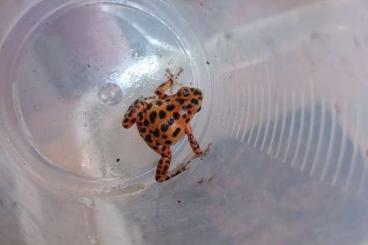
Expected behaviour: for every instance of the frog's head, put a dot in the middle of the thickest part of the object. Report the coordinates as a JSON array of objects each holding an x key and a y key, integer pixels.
[{"x": 190, "y": 98}]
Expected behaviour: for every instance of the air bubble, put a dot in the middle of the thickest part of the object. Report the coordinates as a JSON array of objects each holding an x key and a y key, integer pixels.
[{"x": 110, "y": 94}]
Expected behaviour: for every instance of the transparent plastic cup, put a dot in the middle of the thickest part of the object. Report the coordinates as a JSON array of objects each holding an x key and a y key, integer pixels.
[{"x": 284, "y": 108}]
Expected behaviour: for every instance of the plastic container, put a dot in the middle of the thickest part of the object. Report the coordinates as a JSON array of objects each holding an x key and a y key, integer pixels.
[{"x": 285, "y": 109}]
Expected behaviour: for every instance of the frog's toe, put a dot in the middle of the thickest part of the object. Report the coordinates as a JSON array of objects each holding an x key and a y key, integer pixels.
[
  {"x": 207, "y": 149},
  {"x": 179, "y": 72},
  {"x": 168, "y": 74}
]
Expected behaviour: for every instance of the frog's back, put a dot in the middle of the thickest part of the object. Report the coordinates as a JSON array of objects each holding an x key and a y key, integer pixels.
[{"x": 163, "y": 121}]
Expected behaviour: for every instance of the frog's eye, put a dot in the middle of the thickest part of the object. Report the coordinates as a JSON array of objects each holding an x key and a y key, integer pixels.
[{"x": 186, "y": 92}]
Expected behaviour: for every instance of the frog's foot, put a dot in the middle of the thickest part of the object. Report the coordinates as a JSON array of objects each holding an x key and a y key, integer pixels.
[
  {"x": 179, "y": 72},
  {"x": 165, "y": 176},
  {"x": 207, "y": 149},
  {"x": 202, "y": 153},
  {"x": 170, "y": 75},
  {"x": 185, "y": 165},
  {"x": 174, "y": 78}
]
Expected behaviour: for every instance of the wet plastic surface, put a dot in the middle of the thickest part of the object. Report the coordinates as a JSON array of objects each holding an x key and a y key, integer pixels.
[{"x": 285, "y": 94}]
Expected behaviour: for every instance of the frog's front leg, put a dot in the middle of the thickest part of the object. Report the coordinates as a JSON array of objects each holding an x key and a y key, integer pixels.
[
  {"x": 134, "y": 113},
  {"x": 160, "y": 91}
]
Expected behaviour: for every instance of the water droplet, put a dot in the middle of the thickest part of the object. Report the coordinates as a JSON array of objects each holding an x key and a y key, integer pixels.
[{"x": 110, "y": 94}]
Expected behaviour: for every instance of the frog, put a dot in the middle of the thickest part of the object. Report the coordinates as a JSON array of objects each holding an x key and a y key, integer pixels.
[{"x": 164, "y": 119}]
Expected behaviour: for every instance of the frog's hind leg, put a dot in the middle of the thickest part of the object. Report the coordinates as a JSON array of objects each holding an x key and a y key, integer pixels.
[
  {"x": 194, "y": 144},
  {"x": 162, "y": 171},
  {"x": 134, "y": 113},
  {"x": 171, "y": 80}
]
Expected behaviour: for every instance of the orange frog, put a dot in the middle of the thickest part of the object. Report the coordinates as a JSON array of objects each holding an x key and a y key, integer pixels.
[{"x": 162, "y": 120}]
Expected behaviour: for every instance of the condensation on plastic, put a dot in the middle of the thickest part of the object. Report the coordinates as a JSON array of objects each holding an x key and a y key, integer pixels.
[{"x": 285, "y": 93}]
